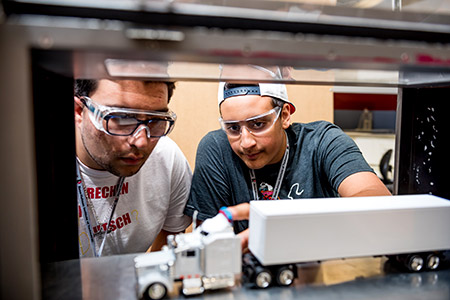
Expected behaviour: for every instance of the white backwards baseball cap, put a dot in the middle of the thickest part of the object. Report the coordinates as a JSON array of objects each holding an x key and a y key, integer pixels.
[{"x": 275, "y": 90}]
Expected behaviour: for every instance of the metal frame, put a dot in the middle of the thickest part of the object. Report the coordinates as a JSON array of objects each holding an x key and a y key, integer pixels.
[{"x": 74, "y": 41}]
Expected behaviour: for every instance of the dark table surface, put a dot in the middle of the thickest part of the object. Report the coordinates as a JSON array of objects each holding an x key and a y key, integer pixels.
[{"x": 113, "y": 277}]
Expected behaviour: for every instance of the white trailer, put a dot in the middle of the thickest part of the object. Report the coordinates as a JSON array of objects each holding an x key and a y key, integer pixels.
[{"x": 413, "y": 229}]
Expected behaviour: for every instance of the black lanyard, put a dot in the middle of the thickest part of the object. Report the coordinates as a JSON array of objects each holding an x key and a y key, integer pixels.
[{"x": 83, "y": 199}]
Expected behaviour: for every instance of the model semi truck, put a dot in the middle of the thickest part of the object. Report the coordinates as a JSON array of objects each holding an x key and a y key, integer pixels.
[
  {"x": 198, "y": 260},
  {"x": 410, "y": 229}
]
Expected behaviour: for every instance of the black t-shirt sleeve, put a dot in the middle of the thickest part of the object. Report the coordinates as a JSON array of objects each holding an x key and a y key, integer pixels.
[
  {"x": 209, "y": 189},
  {"x": 340, "y": 156}
]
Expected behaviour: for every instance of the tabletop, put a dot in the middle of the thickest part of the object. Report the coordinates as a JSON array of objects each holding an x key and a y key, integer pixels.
[{"x": 113, "y": 277}]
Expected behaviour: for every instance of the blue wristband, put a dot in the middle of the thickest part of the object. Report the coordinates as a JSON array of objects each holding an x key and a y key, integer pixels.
[{"x": 226, "y": 212}]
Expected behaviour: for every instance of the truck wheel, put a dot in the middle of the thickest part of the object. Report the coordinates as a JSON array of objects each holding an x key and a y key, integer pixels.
[
  {"x": 415, "y": 263},
  {"x": 433, "y": 261},
  {"x": 263, "y": 278},
  {"x": 155, "y": 291},
  {"x": 285, "y": 276}
]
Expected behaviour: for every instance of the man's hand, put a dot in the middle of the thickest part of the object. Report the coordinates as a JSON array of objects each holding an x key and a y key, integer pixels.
[
  {"x": 244, "y": 240},
  {"x": 241, "y": 212}
]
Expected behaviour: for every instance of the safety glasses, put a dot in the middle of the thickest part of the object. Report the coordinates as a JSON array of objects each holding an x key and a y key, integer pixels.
[
  {"x": 257, "y": 125},
  {"x": 124, "y": 121}
]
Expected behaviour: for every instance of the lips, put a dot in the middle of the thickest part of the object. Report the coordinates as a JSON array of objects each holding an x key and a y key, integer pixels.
[
  {"x": 251, "y": 156},
  {"x": 132, "y": 160}
]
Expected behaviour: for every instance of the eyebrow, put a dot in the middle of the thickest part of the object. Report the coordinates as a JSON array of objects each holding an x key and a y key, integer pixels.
[
  {"x": 126, "y": 107},
  {"x": 250, "y": 118},
  {"x": 94, "y": 102}
]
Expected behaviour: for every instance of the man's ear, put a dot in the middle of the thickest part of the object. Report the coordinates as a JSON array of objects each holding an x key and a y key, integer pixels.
[
  {"x": 78, "y": 108},
  {"x": 286, "y": 116}
]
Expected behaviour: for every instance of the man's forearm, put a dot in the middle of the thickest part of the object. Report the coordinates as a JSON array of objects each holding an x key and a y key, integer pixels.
[{"x": 160, "y": 240}]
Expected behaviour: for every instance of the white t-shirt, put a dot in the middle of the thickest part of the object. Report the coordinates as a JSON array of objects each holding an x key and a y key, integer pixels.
[{"x": 151, "y": 200}]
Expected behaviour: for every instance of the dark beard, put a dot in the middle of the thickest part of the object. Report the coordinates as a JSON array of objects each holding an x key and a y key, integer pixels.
[{"x": 99, "y": 162}]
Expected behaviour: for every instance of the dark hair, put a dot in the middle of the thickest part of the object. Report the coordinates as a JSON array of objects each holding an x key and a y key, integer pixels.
[
  {"x": 275, "y": 101},
  {"x": 229, "y": 86},
  {"x": 85, "y": 87}
]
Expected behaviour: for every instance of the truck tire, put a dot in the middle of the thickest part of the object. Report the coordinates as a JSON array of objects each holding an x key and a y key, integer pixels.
[
  {"x": 433, "y": 261},
  {"x": 155, "y": 291},
  {"x": 285, "y": 276},
  {"x": 263, "y": 278},
  {"x": 415, "y": 263}
]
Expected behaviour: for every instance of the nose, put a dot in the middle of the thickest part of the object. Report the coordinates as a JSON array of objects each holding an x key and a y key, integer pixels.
[
  {"x": 140, "y": 128},
  {"x": 247, "y": 139},
  {"x": 141, "y": 136}
]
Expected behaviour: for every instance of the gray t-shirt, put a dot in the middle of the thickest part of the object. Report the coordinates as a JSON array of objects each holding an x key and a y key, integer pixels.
[{"x": 321, "y": 156}]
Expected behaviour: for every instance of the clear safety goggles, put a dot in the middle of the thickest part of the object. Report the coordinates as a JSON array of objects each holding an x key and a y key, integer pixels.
[
  {"x": 120, "y": 121},
  {"x": 256, "y": 125}
]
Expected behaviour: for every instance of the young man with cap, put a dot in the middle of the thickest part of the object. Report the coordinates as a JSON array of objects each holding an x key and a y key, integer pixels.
[
  {"x": 258, "y": 154},
  {"x": 132, "y": 181}
]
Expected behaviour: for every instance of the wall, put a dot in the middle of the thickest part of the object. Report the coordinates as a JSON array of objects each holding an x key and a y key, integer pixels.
[
  {"x": 195, "y": 104},
  {"x": 373, "y": 147}
]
